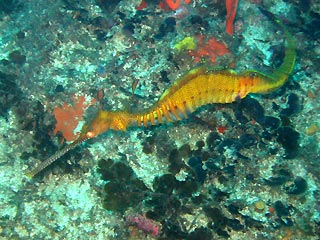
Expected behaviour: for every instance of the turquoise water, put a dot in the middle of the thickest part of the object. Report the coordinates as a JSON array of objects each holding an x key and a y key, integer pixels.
[{"x": 244, "y": 170}]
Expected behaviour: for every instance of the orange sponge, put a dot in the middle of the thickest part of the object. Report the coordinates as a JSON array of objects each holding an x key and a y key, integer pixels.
[{"x": 68, "y": 117}]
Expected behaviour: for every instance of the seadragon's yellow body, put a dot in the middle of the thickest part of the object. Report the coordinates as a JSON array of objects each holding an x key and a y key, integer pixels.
[{"x": 197, "y": 88}]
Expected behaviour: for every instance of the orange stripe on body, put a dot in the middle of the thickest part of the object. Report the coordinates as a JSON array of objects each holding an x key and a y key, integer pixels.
[
  {"x": 174, "y": 110},
  {"x": 159, "y": 114},
  {"x": 139, "y": 120},
  {"x": 165, "y": 112},
  {"x": 152, "y": 118},
  {"x": 145, "y": 120}
]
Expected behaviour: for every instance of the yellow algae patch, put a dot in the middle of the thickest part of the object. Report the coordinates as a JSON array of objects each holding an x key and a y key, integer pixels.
[{"x": 188, "y": 43}]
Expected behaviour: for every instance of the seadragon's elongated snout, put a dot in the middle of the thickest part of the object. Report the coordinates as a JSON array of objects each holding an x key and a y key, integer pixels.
[
  {"x": 59, "y": 154},
  {"x": 103, "y": 121}
]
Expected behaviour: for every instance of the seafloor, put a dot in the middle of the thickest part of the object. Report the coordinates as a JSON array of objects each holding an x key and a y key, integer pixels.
[{"x": 245, "y": 170}]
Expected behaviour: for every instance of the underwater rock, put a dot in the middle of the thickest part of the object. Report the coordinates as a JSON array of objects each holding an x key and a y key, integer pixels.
[
  {"x": 200, "y": 233},
  {"x": 281, "y": 209},
  {"x": 196, "y": 164},
  {"x": 216, "y": 215},
  {"x": 187, "y": 187},
  {"x": 271, "y": 122},
  {"x": 304, "y": 5},
  {"x": 234, "y": 208},
  {"x": 111, "y": 170},
  {"x": 175, "y": 161},
  {"x": 128, "y": 28},
  {"x": 119, "y": 196},
  {"x": 235, "y": 224},
  {"x": 168, "y": 26},
  {"x": 230, "y": 170},
  {"x": 172, "y": 230},
  {"x": 229, "y": 143},
  {"x": 107, "y": 5},
  {"x": 198, "y": 199},
  {"x": 298, "y": 186},
  {"x": 100, "y": 22},
  {"x": 294, "y": 105},
  {"x": 195, "y": 19},
  {"x": 200, "y": 173},
  {"x": 200, "y": 145},
  {"x": 165, "y": 183},
  {"x": 250, "y": 177},
  {"x": 247, "y": 140},
  {"x": 253, "y": 108},
  {"x": 275, "y": 181},
  {"x": 59, "y": 88},
  {"x": 238, "y": 113},
  {"x": 194, "y": 161},
  {"x": 213, "y": 140},
  {"x": 148, "y": 144},
  {"x": 10, "y": 93},
  {"x": 212, "y": 165},
  {"x": 185, "y": 150},
  {"x": 252, "y": 223},
  {"x": 9, "y": 6},
  {"x": 289, "y": 138},
  {"x": 313, "y": 20},
  {"x": 280, "y": 177},
  {"x": 101, "y": 35},
  {"x": 198, "y": 22},
  {"x": 17, "y": 58},
  {"x": 164, "y": 76},
  {"x": 123, "y": 189}
]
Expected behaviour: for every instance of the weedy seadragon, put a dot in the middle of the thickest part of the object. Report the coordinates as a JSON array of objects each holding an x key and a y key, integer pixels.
[{"x": 198, "y": 87}]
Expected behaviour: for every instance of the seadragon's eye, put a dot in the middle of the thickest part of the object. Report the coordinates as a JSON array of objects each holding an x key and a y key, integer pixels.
[{"x": 90, "y": 134}]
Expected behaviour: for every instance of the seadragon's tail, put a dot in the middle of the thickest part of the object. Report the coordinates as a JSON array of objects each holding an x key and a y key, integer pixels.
[{"x": 280, "y": 75}]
